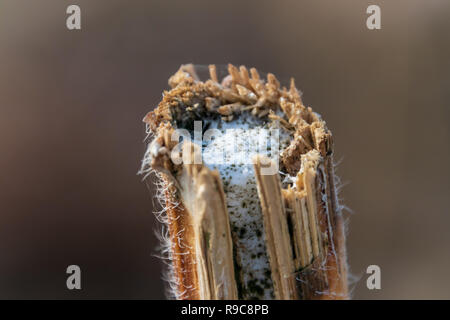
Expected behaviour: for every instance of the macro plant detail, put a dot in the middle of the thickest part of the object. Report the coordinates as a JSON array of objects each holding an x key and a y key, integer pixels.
[{"x": 269, "y": 228}]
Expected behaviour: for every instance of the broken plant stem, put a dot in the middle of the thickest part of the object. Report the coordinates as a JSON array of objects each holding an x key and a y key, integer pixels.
[{"x": 236, "y": 231}]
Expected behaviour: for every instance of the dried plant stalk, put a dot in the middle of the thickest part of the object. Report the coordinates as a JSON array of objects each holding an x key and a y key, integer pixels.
[
  {"x": 277, "y": 234},
  {"x": 234, "y": 234},
  {"x": 205, "y": 202},
  {"x": 311, "y": 213}
]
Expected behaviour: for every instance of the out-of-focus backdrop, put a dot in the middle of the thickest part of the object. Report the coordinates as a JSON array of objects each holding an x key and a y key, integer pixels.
[{"x": 71, "y": 136}]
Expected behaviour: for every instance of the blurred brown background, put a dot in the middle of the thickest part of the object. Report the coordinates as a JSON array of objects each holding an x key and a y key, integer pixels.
[{"x": 71, "y": 104}]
